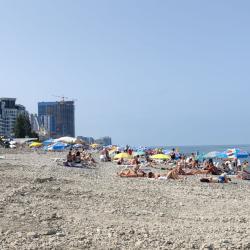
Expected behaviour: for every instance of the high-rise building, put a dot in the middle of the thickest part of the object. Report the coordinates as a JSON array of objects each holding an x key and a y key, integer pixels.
[
  {"x": 34, "y": 122},
  {"x": 86, "y": 139},
  {"x": 9, "y": 111},
  {"x": 105, "y": 141},
  {"x": 58, "y": 118}
]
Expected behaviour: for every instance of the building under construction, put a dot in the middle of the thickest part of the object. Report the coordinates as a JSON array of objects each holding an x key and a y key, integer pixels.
[{"x": 57, "y": 118}]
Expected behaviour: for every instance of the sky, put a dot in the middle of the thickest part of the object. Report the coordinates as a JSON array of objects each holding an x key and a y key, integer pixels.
[{"x": 145, "y": 72}]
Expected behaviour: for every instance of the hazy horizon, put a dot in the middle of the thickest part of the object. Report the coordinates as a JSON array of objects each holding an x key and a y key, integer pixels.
[{"x": 143, "y": 72}]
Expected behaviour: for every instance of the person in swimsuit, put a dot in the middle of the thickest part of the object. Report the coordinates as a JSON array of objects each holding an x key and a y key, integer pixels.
[
  {"x": 135, "y": 171},
  {"x": 221, "y": 179},
  {"x": 69, "y": 156}
]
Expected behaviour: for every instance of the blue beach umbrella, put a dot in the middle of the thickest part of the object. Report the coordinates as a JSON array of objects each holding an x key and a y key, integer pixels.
[
  {"x": 212, "y": 155},
  {"x": 234, "y": 153},
  {"x": 77, "y": 146},
  {"x": 48, "y": 142},
  {"x": 58, "y": 146},
  {"x": 200, "y": 157},
  {"x": 139, "y": 153}
]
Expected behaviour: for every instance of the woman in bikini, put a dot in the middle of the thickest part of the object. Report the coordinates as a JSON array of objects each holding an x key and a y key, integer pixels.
[{"x": 134, "y": 172}]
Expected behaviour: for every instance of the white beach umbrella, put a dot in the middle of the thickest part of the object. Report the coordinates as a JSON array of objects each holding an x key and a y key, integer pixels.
[{"x": 66, "y": 139}]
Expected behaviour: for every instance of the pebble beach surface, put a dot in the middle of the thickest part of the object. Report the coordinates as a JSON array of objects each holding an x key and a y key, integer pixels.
[{"x": 47, "y": 206}]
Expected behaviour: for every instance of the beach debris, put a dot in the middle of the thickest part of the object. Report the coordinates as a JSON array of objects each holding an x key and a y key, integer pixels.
[
  {"x": 32, "y": 235},
  {"x": 43, "y": 180},
  {"x": 51, "y": 232}
]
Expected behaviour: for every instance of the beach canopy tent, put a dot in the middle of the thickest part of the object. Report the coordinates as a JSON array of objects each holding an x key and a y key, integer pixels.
[
  {"x": 234, "y": 153},
  {"x": 48, "y": 142},
  {"x": 58, "y": 146},
  {"x": 160, "y": 157},
  {"x": 123, "y": 155},
  {"x": 35, "y": 145},
  {"x": 66, "y": 139}
]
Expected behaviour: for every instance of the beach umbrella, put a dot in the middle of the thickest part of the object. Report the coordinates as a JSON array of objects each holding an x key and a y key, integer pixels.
[
  {"x": 58, "y": 146},
  {"x": 95, "y": 145},
  {"x": 222, "y": 155},
  {"x": 112, "y": 152},
  {"x": 235, "y": 153},
  {"x": 161, "y": 157},
  {"x": 66, "y": 139},
  {"x": 123, "y": 155},
  {"x": 212, "y": 155},
  {"x": 138, "y": 153},
  {"x": 200, "y": 157},
  {"x": 35, "y": 145},
  {"x": 48, "y": 142},
  {"x": 77, "y": 146}
]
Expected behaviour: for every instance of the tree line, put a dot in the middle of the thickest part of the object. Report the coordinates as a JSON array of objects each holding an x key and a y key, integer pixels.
[{"x": 23, "y": 127}]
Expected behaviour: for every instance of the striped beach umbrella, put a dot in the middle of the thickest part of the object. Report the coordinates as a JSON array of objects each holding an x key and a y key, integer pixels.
[{"x": 234, "y": 153}]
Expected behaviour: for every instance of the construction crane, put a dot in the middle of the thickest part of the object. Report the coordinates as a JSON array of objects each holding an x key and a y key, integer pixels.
[{"x": 64, "y": 97}]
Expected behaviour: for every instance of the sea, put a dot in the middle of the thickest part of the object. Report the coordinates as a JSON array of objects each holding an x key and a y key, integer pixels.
[{"x": 208, "y": 148}]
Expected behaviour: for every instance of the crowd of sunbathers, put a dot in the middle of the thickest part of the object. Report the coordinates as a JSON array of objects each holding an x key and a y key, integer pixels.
[
  {"x": 176, "y": 166},
  {"x": 76, "y": 157},
  {"x": 183, "y": 166}
]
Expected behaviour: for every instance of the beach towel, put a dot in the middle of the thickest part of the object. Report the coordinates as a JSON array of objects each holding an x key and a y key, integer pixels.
[{"x": 245, "y": 175}]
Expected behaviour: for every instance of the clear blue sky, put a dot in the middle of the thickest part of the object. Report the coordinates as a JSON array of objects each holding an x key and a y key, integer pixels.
[{"x": 144, "y": 72}]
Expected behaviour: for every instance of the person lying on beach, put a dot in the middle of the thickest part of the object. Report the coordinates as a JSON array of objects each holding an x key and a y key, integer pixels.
[
  {"x": 178, "y": 170},
  {"x": 134, "y": 172},
  {"x": 212, "y": 169},
  {"x": 221, "y": 179},
  {"x": 175, "y": 173}
]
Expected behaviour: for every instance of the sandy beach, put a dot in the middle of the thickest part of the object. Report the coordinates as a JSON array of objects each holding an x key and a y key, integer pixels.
[{"x": 47, "y": 206}]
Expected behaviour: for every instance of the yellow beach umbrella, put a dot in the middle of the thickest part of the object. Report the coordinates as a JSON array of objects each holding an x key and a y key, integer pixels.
[
  {"x": 161, "y": 157},
  {"x": 111, "y": 152},
  {"x": 95, "y": 145},
  {"x": 123, "y": 155},
  {"x": 35, "y": 145}
]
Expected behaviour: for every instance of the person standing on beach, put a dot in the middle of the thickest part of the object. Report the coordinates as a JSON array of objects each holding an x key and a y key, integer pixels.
[{"x": 172, "y": 154}]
